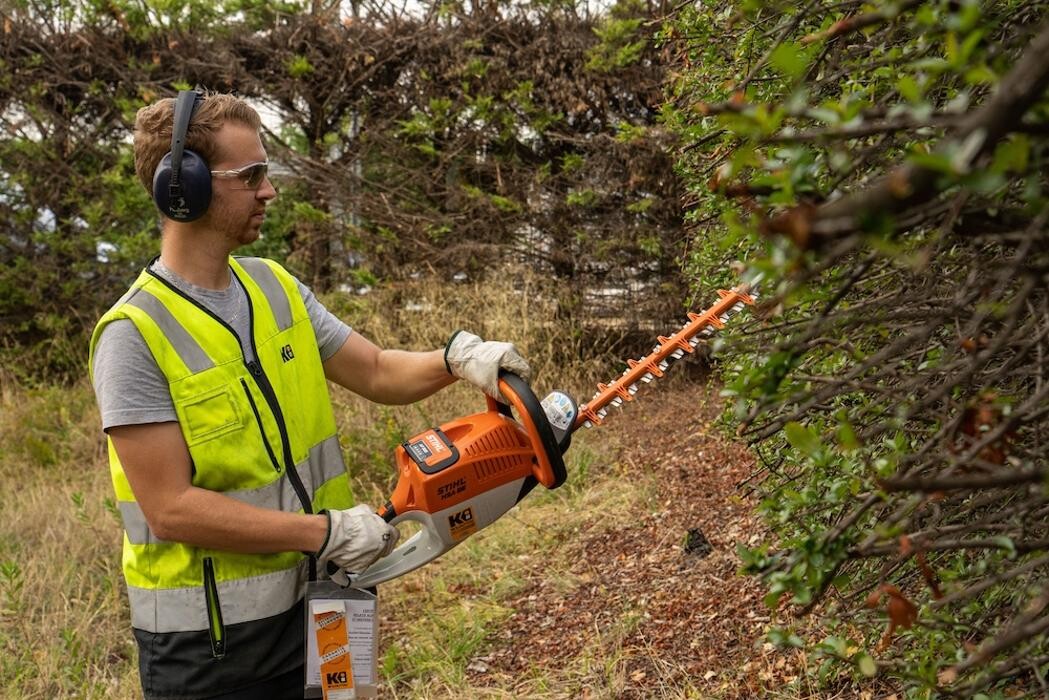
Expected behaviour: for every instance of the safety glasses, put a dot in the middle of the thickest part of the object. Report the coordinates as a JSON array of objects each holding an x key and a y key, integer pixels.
[{"x": 250, "y": 176}]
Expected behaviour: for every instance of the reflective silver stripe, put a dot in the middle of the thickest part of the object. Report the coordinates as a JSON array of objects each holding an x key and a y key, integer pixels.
[
  {"x": 135, "y": 524},
  {"x": 122, "y": 300},
  {"x": 269, "y": 284},
  {"x": 187, "y": 348},
  {"x": 242, "y": 600},
  {"x": 323, "y": 464}
]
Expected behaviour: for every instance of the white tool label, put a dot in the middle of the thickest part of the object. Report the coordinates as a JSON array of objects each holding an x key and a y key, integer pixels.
[{"x": 559, "y": 410}]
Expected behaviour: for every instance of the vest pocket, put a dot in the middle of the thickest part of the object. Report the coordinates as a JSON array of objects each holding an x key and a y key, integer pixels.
[
  {"x": 216, "y": 629},
  {"x": 208, "y": 415},
  {"x": 262, "y": 430}
]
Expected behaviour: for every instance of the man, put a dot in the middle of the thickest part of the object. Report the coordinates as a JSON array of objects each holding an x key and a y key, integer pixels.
[{"x": 211, "y": 378}]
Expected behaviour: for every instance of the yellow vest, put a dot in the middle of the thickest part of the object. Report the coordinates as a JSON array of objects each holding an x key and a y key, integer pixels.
[{"x": 259, "y": 431}]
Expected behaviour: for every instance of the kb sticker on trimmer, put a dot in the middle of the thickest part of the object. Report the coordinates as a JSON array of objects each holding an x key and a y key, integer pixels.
[{"x": 461, "y": 524}]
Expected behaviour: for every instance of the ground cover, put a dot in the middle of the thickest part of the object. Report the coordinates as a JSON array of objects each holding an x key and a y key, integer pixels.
[
  {"x": 635, "y": 593},
  {"x": 621, "y": 584}
]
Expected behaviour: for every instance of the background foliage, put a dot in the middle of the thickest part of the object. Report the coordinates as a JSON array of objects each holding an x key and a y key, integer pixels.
[
  {"x": 884, "y": 165},
  {"x": 447, "y": 142}
]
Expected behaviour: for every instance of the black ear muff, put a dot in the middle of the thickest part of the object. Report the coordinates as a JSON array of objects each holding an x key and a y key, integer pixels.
[{"x": 182, "y": 181}]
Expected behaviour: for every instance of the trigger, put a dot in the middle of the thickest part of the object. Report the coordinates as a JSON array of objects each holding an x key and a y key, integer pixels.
[{"x": 338, "y": 576}]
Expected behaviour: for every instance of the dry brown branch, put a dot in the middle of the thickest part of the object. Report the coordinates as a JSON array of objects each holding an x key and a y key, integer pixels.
[
  {"x": 858, "y": 22},
  {"x": 910, "y": 185}
]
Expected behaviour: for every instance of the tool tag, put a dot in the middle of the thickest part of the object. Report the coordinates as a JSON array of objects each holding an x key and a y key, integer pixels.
[
  {"x": 341, "y": 642},
  {"x": 333, "y": 649}
]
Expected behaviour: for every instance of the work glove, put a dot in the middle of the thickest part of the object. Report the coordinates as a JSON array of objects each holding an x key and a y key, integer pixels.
[
  {"x": 478, "y": 361},
  {"x": 356, "y": 538}
]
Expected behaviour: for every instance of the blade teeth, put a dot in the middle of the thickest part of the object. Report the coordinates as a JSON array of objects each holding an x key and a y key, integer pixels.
[{"x": 665, "y": 345}]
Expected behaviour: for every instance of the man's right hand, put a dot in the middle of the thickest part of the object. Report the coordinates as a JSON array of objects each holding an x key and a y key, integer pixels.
[
  {"x": 478, "y": 361},
  {"x": 356, "y": 538}
]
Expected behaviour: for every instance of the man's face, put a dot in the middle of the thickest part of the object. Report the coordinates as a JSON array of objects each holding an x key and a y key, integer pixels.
[{"x": 236, "y": 211}]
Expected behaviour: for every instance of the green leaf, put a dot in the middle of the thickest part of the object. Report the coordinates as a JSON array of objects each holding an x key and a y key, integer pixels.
[
  {"x": 803, "y": 439},
  {"x": 784, "y": 638},
  {"x": 980, "y": 75},
  {"x": 865, "y": 662},
  {"x": 847, "y": 439},
  {"x": 909, "y": 89},
  {"x": 1012, "y": 154},
  {"x": 789, "y": 59},
  {"x": 1005, "y": 543},
  {"x": 298, "y": 66}
]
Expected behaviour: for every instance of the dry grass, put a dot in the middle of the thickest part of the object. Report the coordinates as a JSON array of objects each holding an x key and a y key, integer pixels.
[
  {"x": 63, "y": 612},
  {"x": 63, "y": 617}
]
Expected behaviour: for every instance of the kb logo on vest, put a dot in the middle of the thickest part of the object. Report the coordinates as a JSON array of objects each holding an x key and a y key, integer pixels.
[{"x": 286, "y": 353}]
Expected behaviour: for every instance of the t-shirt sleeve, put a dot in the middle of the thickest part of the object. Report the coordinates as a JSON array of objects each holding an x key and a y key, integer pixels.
[
  {"x": 129, "y": 386},
  {"x": 330, "y": 330}
]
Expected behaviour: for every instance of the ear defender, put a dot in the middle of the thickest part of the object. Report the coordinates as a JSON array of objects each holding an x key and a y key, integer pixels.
[{"x": 182, "y": 181}]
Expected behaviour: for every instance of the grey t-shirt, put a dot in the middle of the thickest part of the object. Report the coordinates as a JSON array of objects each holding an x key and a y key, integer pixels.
[{"x": 129, "y": 385}]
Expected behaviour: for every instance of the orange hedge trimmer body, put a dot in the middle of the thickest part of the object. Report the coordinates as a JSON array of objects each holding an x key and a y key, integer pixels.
[{"x": 461, "y": 477}]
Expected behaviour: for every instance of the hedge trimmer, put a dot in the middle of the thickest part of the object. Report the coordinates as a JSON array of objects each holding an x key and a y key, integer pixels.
[{"x": 463, "y": 476}]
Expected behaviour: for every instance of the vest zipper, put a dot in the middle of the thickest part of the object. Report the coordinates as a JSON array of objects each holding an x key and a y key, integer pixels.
[
  {"x": 258, "y": 419},
  {"x": 216, "y": 630},
  {"x": 263, "y": 382}
]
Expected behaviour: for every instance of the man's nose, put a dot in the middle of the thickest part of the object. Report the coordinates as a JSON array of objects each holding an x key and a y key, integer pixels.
[{"x": 266, "y": 190}]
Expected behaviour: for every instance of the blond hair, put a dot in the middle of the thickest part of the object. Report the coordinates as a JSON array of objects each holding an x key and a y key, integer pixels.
[{"x": 153, "y": 125}]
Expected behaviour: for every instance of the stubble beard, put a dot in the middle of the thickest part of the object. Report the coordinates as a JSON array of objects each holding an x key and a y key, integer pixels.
[{"x": 236, "y": 230}]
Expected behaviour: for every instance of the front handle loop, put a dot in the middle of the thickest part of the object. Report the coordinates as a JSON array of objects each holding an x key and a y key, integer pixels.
[{"x": 549, "y": 469}]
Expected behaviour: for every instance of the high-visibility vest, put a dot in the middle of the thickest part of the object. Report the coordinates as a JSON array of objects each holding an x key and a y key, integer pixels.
[{"x": 259, "y": 431}]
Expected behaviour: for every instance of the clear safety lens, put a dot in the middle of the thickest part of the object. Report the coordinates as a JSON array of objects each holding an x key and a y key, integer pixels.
[
  {"x": 255, "y": 174},
  {"x": 251, "y": 175}
]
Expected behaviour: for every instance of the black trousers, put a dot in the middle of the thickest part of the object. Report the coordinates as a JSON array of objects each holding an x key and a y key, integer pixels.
[{"x": 284, "y": 687}]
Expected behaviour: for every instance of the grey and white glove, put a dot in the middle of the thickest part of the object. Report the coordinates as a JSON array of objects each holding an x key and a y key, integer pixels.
[
  {"x": 478, "y": 361},
  {"x": 356, "y": 538}
]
